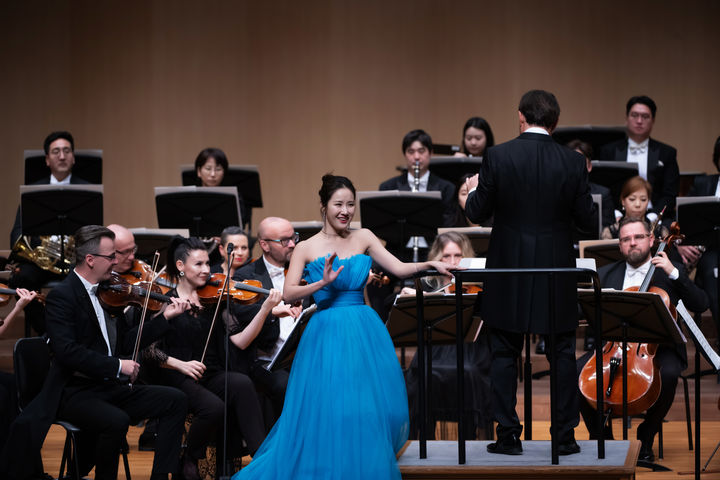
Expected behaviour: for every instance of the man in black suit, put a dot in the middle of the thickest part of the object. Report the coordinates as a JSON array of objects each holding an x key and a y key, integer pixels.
[
  {"x": 417, "y": 148},
  {"x": 635, "y": 243},
  {"x": 535, "y": 189},
  {"x": 277, "y": 239},
  {"x": 657, "y": 162},
  {"x": 706, "y": 262},
  {"x": 59, "y": 157}
]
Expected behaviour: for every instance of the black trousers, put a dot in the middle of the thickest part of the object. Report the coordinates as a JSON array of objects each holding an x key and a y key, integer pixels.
[
  {"x": 505, "y": 348},
  {"x": 705, "y": 278},
  {"x": 273, "y": 383},
  {"x": 671, "y": 366},
  {"x": 243, "y": 405},
  {"x": 106, "y": 411}
]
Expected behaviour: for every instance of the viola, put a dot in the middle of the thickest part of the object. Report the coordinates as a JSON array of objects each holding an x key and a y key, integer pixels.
[
  {"x": 643, "y": 375},
  {"x": 117, "y": 293},
  {"x": 245, "y": 292},
  {"x": 6, "y": 293},
  {"x": 466, "y": 289}
]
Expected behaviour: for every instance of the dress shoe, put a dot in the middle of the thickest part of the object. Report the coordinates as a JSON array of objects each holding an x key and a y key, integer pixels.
[
  {"x": 646, "y": 454},
  {"x": 507, "y": 446},
  {"x": 540, "y": 347},
  {"x": 190, "y": 469},
  {"x": 568, "y": 448}
]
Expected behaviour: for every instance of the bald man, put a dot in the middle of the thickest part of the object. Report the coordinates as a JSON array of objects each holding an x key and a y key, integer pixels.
[
  {"x": 277, "y": 239},
  {"x": 125, "y": 248}
]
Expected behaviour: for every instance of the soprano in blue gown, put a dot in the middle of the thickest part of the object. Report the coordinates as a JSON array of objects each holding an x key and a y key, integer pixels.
[{"x": 346, "y": 412}]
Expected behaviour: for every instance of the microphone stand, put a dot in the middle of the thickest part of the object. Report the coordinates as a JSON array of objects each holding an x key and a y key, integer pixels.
[{"x": 226, "y": 287}]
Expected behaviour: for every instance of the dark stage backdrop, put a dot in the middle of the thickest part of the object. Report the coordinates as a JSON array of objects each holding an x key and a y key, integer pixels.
[{"x": 302, "y": 88}]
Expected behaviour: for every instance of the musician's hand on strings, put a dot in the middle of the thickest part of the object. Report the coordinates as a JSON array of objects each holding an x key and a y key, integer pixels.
[
  {"x": 176, "y": 307},
  {"x": 690, "y": 254},
  {"x": 26, "y": 296},
  {"x": 271, "y": 302},
  {"x": 329, "y": 275},
  {"x": 662, "y": 261},
  {"x": 130, "y": 369}
]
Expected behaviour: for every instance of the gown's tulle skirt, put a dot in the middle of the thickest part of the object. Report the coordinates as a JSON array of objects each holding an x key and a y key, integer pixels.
[{"x": 346, "y": 413}]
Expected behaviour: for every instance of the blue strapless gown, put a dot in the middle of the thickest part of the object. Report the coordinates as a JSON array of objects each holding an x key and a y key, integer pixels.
[{"x": 346, "y": 411}]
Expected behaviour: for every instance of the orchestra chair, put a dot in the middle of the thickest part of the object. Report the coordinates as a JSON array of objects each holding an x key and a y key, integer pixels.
[
  {"x": 31, "y": 360},
  {"x": 88, "y": 165}
]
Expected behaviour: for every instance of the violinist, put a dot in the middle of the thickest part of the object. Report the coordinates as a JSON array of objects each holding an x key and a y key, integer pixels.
[
  {"x": 8, "y": 395},
  {"x": 177, "y": 359},
  {"x": 635, "y": 243},
  {"x": 241, "y": 250},
  {"x": 451, "y": 247},
  {"x": 277, "y": 239},
  {"x": 88, "y": 382}
]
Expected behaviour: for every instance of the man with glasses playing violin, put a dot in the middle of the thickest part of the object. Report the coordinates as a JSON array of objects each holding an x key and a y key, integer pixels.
[
  {"x": 635, "y": 244},
  {"x": 277, "y": 239},
  {"x": 89, "y": 383}
]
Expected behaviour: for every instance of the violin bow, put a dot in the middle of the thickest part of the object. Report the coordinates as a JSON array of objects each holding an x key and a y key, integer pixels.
[
  {"x": 136, "y": 350},
  {"x": 225, "y": 287}
]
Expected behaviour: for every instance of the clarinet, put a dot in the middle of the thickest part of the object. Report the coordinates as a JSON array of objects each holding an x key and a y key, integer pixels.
[{"x": 416, "y": 188}]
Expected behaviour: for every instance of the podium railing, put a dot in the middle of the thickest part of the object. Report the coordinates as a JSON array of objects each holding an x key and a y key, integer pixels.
[{"x": 476, "y": 275}]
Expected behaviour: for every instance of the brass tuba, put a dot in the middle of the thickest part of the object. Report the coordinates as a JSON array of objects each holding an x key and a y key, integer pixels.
[{"x": 48, "y": 254}]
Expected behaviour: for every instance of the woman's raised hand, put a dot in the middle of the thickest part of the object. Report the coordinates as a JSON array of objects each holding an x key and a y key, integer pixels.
[{"x": 329, "y": 275}]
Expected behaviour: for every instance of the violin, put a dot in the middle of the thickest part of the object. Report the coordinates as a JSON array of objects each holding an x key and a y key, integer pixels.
[
  {"x": 378, "y": 279},
  {"x": 142, "y": 272},
  {"x": 117, "y": 293},
  {"x": 6, "y": 293},
  {"x": 466, "y": 289},
  {"x": 643, "y": 375},
  {"x": 245, "y": 292}
]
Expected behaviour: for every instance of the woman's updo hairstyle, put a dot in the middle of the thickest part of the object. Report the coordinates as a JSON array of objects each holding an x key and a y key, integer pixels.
[
  {"x": 331, "y": 184},
  {"x": 180, "y": 249}
]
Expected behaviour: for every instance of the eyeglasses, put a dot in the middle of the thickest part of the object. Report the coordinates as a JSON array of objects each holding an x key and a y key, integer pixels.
[
  {"x": 109, "y": 258},
  {"x": 127, "y": 251},
  {"x": 639, "y": 237},
  {"x": 56, "y": 151},
  {"x": 285, "y": 241}
]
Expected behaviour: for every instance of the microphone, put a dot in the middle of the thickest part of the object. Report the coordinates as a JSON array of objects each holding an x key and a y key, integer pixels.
[{"x": 230, "y": 247}]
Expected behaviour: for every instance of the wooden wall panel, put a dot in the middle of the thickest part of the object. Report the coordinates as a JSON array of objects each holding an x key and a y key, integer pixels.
[{"x": 301, "y": 88}]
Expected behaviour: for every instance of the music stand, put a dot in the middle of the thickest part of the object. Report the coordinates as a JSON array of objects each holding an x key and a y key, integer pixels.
[
  {"x": 603, "y": 251},
  {"x": 444, "y": 149},
  {"x": 453, "y": 168},
  {"x": 596, "y": 136},
  {"x": 701, "y": 226},
  {"x": 60, "y": 209},
  {"x": 88, "y": 165},
  {"x": 630, "y": 317},
  {"x": 284, "y": 356},
  {"x": 204, "y": 211},
  {"x": 613, "y": 175},
  {"x": 151, "y": 240},
  {"x": 396, "y": 216}
]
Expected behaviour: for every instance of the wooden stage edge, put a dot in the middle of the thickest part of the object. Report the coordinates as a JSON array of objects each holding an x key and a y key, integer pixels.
[{"x": 515, "y": 466}]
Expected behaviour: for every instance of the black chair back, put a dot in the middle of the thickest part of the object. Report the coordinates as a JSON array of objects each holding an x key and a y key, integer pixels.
[{"x": 31, "y": 359}]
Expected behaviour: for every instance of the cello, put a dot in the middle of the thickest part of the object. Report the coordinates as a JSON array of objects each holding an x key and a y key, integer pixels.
[{"x": 643, "y": 376}]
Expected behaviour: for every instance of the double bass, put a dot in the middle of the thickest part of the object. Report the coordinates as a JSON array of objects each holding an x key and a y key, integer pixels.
[{"x": 643, "y": 376}]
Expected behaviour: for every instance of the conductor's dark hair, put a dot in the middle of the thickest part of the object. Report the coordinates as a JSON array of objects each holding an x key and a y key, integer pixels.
[
  {"x": 417, "y": 135},
  {"x": 215, "y": 153},
  {"x": 481, "y": 124},
  {"x": 628, "y": 220},
  {"x": 87, "y": 240},
  {"x": 716, "y": 154},
  {"x": 179, "y": 249},
  {"x": 644, "y": 100},
  {"x": 584, "y": 147},
  {"x": 331, "y": 184},
  {"x": 55, "y": 136},
  {"x": 540, "y": 108}
]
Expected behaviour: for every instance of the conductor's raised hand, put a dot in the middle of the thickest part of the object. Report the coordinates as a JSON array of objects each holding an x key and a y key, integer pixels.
[
  {"x": 472, "y": 182},
  {"x": 329, "y": 275}
]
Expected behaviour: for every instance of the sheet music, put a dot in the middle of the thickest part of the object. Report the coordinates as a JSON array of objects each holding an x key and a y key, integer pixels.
[
  {"x": 710, "y": 354},
  {"x": 301, "y": 319}
]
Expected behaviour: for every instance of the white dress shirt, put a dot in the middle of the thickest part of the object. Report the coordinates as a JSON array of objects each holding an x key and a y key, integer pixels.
[
  {"x": 638, "y": 153},
  {"x": 277, "y": 275},
  {"x": 635, "y": 276},
  {"x": 423, "y": 180}
]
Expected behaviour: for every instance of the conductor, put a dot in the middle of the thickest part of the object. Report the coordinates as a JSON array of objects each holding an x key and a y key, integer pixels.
[{"x": 536, "y": 189}]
